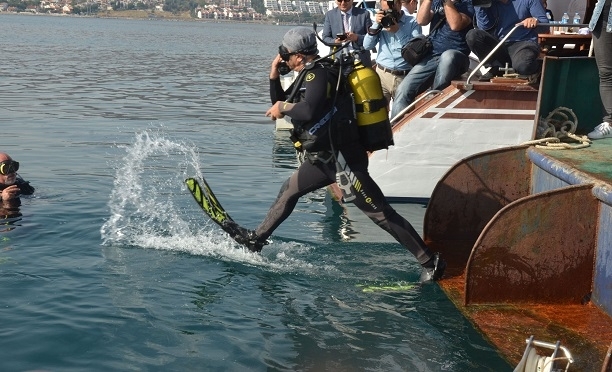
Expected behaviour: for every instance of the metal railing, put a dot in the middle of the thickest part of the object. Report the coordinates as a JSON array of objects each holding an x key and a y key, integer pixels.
[
  {"x": 413, "y": 104},
  {"x": 503, "y": 40}
]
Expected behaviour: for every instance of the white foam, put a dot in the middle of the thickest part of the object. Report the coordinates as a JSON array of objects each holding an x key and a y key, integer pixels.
[{"x": 151, "y": 208}]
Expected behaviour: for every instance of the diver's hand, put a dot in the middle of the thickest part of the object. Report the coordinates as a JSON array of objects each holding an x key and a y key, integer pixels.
[
  {"x": 274, "y": 112},
  {"x": 274, "y": 74},
  {"x": 10, "y": 192}
]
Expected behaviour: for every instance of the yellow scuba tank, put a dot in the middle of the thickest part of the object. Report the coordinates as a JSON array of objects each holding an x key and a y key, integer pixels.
[{"x": 371, "y": 108}]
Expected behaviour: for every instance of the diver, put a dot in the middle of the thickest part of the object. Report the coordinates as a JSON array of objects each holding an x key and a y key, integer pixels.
[
  {"x": 325, "y": 130},
  {"x": 11, "y": 184}
]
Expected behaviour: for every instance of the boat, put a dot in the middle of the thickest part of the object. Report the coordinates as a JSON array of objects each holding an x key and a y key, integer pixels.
[
  {"x": 442, "y": 127},
  {"x": 524, "y": 227}
]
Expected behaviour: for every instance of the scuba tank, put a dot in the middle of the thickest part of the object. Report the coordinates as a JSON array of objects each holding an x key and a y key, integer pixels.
[{"x": 371, "y": 107}]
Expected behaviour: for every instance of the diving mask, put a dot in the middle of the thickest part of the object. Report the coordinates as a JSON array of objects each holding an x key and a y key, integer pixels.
[{"x": 8, "y": 167}]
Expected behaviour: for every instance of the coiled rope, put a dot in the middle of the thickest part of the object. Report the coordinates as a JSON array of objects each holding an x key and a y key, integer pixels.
[{"x": 560, "y": 124}]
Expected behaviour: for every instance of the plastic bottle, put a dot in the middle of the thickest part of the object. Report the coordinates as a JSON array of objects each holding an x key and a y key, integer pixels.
[
  {"x": 565, "y": 20},
  {"x": 576, "y": 19}
]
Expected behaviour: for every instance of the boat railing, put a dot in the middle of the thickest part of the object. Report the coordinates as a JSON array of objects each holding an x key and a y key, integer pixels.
[
  {"x": 485, "y": 59},
  {"x": 503, "y": 40},
  {"x": 408, "y": 108}
]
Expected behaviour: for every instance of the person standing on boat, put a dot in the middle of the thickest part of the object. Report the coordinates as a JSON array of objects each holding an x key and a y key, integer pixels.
[
  {"x": 309, "y": 102},
  {"x": 350, "y": 22},
  {"x": 409, "y": 7},
  {"x": 521, "y": 50},
  {"x": 450, "y": 20},
  {"x": 601, "y": 26},
  {"x": 392, "y": 29},
  {"x": 11, "y": 184}
]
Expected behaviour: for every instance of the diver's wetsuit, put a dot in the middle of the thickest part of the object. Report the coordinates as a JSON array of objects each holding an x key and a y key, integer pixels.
[{"x": 313, "y": 103}]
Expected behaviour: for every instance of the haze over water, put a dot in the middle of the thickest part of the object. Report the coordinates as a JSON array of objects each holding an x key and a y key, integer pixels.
[{"x": 112, "y": 266}]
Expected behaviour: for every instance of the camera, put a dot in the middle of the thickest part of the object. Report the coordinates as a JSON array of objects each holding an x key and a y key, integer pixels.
[
  {"x": 389, "y": 19},
  {"x": 283, "y": 68}
]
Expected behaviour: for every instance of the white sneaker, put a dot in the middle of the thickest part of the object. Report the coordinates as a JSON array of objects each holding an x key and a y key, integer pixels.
[{"x": 603, "y": 130}]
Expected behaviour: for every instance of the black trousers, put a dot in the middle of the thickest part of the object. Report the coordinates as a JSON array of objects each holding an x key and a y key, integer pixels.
[
  {"x": 602, "y": 46},
  {"x": 521, "y": 55},
  {"x": 369, "y": 198}
]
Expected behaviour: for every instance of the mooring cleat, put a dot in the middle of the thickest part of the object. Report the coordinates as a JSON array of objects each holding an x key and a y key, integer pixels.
[{"x": 435, "y": 273}]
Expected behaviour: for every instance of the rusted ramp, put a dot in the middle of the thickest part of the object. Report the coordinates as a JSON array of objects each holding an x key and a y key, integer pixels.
[
  {"x": 539, "y": 249},
  {"x": 468, "y": 196}
]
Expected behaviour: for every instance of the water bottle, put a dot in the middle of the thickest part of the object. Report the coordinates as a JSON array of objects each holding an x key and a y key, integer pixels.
[
  {"x": 576, "y": 21},
  {"x": 564, "y": 20}
]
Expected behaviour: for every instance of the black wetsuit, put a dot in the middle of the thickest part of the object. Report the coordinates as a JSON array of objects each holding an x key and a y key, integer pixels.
[{"x": 313, "y": 103}]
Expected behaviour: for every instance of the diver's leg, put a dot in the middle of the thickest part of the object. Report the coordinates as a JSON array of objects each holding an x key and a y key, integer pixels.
[
  {"x": 307, "y": 178},
  {"x": 371, "y": 200}
]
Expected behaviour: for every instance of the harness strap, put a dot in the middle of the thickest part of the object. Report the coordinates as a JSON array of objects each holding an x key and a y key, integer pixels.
[
  {"x": 320, "y": 156},
  {"x": 371, "y": 106},
  {"x": 323, "y": 121}
]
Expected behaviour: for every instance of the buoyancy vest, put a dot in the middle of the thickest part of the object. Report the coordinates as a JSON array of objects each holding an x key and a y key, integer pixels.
[
  {"x": 337, "y": 125},
  {"x": 356, "y": 110}
]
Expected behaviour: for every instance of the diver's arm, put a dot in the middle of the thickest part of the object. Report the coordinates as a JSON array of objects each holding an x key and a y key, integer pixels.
[{"x": 276, "y": 89}]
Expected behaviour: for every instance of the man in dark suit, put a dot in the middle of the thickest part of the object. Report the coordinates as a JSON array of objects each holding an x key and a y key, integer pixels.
[{"x": 351, "y": 22}]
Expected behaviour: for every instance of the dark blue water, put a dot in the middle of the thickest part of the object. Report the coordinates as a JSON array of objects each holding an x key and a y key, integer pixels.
[{"x": 112, "y": 266}]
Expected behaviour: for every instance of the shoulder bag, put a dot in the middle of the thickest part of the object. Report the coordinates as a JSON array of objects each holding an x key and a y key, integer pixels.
[{"x": 418, "y": 47}]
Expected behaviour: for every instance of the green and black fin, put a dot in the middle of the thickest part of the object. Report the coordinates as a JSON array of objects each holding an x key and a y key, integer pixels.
[{"x": 207, "y": 200}]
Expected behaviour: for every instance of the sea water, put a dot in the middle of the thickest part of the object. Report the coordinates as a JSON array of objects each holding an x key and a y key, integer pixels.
[{"x": 112, "y": 266}]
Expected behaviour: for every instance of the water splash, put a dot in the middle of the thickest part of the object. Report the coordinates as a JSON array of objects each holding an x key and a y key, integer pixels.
[{"x": 151, "y": 208}]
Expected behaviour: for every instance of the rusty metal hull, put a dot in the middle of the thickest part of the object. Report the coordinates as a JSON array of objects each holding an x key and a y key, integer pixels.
[
  {"x": 536, "y": 250},
  {"x": 469, "y": 195},
  {"x": 527, "y": 236}
]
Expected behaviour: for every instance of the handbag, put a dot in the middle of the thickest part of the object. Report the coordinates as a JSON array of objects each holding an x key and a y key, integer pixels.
[
  {"x": 419, "y": 47},
  {"x": 416, "y": 49}
]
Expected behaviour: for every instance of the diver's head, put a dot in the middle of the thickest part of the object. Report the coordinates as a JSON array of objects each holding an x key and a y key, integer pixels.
[
  {"x": 8, "y": 169},
  {"x": 299, "y": 46}
]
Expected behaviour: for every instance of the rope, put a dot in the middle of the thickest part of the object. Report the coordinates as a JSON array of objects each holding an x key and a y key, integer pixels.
[{"x": 561, "y": 123}]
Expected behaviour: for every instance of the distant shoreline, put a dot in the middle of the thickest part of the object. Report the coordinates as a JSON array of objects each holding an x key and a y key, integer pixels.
[{"x": 159, "y": 16}]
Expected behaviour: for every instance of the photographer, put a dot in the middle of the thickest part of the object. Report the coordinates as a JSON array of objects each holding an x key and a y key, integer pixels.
[
  {"x": 11, "y": 184},
  {"x": 448, "y": 60},
  {"x": 389, "y": 33}
]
